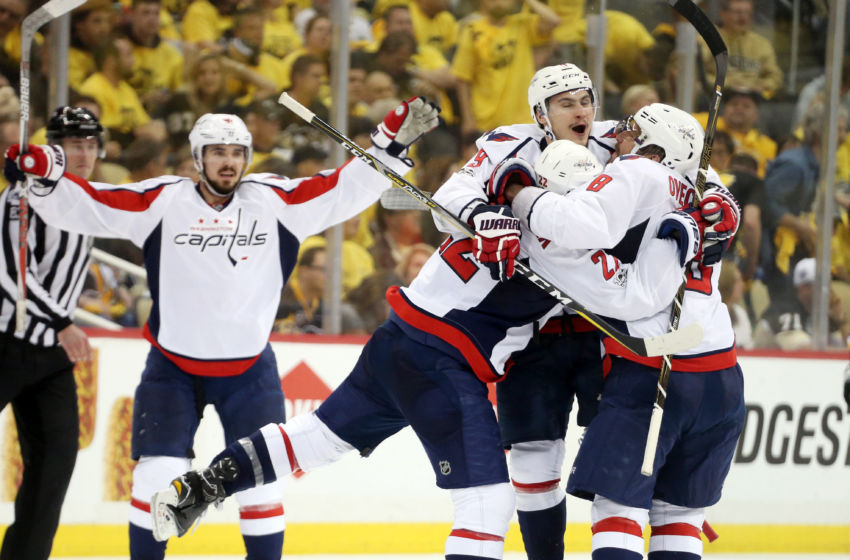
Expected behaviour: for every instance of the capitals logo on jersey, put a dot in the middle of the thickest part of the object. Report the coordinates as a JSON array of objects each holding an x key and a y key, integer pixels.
[{"x": 206, "y": 235}]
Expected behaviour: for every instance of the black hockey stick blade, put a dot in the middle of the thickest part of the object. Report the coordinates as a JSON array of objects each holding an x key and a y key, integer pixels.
[{"x": 668, "y": 343}]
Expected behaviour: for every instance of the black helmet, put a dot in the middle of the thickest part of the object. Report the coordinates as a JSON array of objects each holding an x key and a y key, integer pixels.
[{"x": 73, "y": 122}]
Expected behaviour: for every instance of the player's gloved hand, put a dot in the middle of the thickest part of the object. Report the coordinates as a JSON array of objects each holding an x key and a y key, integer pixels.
[
  {"x": 497, "y": 236},
  {"x": 723, "y": 214},
  {"x": 508, "y": 172},
  {"x": 682, "y": 227},
  {"x": 45, "y": 162},
  {"x": 405, "y": 124}
]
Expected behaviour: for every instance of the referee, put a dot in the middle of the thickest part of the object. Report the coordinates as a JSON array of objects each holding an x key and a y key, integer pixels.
[{"x": 36, "y": 371}]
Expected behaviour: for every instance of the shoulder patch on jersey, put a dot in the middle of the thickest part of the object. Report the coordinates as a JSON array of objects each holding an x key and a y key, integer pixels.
[
  {"x": 609, "y": 134},
  {"x": 500, "y": 137}
]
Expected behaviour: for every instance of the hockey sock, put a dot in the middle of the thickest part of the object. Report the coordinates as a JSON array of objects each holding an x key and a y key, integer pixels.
[
  {"x": 143, "y": 546},
  {"x": 617, "y": 538},
  {"x": 675, "y": 541},
  {"x": 543, "y": 532},
  {"x": 264, "y": 547},
  {"x": 252, "y": 457}
]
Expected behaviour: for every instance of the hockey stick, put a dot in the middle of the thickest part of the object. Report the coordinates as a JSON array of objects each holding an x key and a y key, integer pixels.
[
  {"x": 51, "y": 10},
  {"x": 670, "y": 342},
  {"x": 717, "y": 47}
]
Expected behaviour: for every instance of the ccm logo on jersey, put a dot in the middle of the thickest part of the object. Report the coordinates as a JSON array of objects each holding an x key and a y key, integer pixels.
[
  {"x": 683, "y": 194},
  {"x": 499, "y": 223}
]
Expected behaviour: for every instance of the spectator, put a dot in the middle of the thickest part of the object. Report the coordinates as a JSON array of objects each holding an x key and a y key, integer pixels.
[
  {"x": 91, "y": 30},
  {"x": 357, "y": 263},
  {"x": 157, "y": 64},
  {"x": 494, "y": 62},
  {"x": 815, "y": 89},
  {"x": 359, "y": 30},
  {"x": 752, "y": 59},
  {"x": 300, "y": 309},
  {"x": 412, "y": 262},
  {"x": 358, "y": 69},
  {"x": 791, "y": 182},
  {"x": 280, "y": 37},
  {"x": 263, "y": 121},
  {"x": 637, "y": 96},
  {"x": 12, "y": 13},
  {"x": 749, "y": 189},
  {"x": 206, "y": 21},
  {"x": 740, "y": 119},
  {"x": 309, "y": 160},
  {"x": 397, "y": 230},
  {"x": 434, "y": 25},
  {"x": 317, "y": 42},
  {"x": 568, "y": 38},
  {"x": 369, "y": 298},
  {"x": 184, "y": 164},
  {"x": 787, "y": 322},
  {"x": 731, "y": 286},
  {"x": 379, "y": 85},
  {"x": 245, "y": 49},
  {"x": 204, "y": 92},
  {"x": 123, "y": 114},
  {"x": 721, "y": 153},
  {"x": 145, "y": 158},
  {"x": 309, "y": 73},
  {"x": 104, "y": 294},
  {"x": 626, "y": 48}
]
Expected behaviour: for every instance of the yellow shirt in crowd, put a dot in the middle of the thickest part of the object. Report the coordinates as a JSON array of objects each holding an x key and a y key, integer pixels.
[
  {"x": 497, "y": 61},
  {"x": 122, "y": 110},
  {"x": 156, "y": 68},
  {"x": 202, "y": 22}
]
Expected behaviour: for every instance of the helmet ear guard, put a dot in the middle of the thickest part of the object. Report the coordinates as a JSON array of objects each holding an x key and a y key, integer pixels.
[
  {"x": 676, "y": 132},
  {"x": 565, "y": 165}
]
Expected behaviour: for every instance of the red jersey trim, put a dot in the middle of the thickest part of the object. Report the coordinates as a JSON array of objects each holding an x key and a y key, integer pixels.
[
  {"x": 308, "y": 189},
  {"x": 617, "y": 525},
  {"x": 710, "y": 362},
  {"x": 261, "y": 512},
  {"x": 120, "y": 199},
  {"x": 678, "y": 529},
  {"x": 535, "y": 487},
  {"x": 204, "y": 368},
  {"x": 475, "y": 535},
  {"x": 138, "y": 504},
  {"x": 445, "y": 332},
  {"x": 290, "y": 454}
]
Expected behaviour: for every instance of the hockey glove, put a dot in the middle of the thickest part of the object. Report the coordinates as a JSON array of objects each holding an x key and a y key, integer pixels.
[
  {"x": 404, "y": 125},
  {"x": 496, "y": 239},
  {"x": 508, "y": 172},
  {"x": 681, "y": 227},
  {"x": 45, "y": 162},
  {"x": 723, "y": 214}
]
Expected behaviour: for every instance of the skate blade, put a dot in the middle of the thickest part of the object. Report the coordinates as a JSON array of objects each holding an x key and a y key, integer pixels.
[{"x": 162, "y": 514}]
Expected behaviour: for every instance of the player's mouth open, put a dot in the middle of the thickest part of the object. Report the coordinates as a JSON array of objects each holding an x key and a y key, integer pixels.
[{"x": 579, "y": 128}]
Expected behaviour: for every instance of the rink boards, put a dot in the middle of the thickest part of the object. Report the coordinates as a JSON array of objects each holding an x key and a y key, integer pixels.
[{"x": 788, "y": 491}]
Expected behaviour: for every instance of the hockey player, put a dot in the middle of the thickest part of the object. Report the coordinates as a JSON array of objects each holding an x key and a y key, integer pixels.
[
  {"x": 563, "y": 361},
  {"x": 37, "y": 368},
  {"x": 704, "y": 411},
  {"x": 452, "y": 330},
  {"x": 204, "y": 243}
]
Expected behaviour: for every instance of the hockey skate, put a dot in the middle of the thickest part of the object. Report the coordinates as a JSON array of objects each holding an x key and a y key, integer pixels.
[{"x": 176, "y": 509}]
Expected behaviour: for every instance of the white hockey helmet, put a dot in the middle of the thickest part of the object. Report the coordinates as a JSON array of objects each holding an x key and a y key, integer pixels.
[
  {"x": 676, "y": 131},
  {"x": 552, "y": 80},
  {"x": 218, "y": 128},
  {"x": 565, "y": 165}
]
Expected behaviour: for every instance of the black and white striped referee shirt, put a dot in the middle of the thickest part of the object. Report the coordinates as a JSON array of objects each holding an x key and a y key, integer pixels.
[{"x": 58, "y": 263}]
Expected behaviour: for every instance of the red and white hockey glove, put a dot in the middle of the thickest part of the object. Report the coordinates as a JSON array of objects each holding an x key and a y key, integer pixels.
[
  {"x": 723, "y": 214},
  {"x": 497, "y": 236},
  {"x": 405, "y": 124},
  {"x": 508, "y": 172},
  {"x": 45, "y": 162},
  {"x": 682, "y": 227}
]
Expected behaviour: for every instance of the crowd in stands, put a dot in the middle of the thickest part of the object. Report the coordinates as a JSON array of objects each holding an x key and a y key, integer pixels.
[{"x": 149, "y": 68}]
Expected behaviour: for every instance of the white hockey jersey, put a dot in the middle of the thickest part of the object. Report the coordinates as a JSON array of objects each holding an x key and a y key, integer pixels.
[
  {"x": 215, "y": 277},
  {"x": 616, "y": 212},
  {"x": 453, "y": 304}
]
